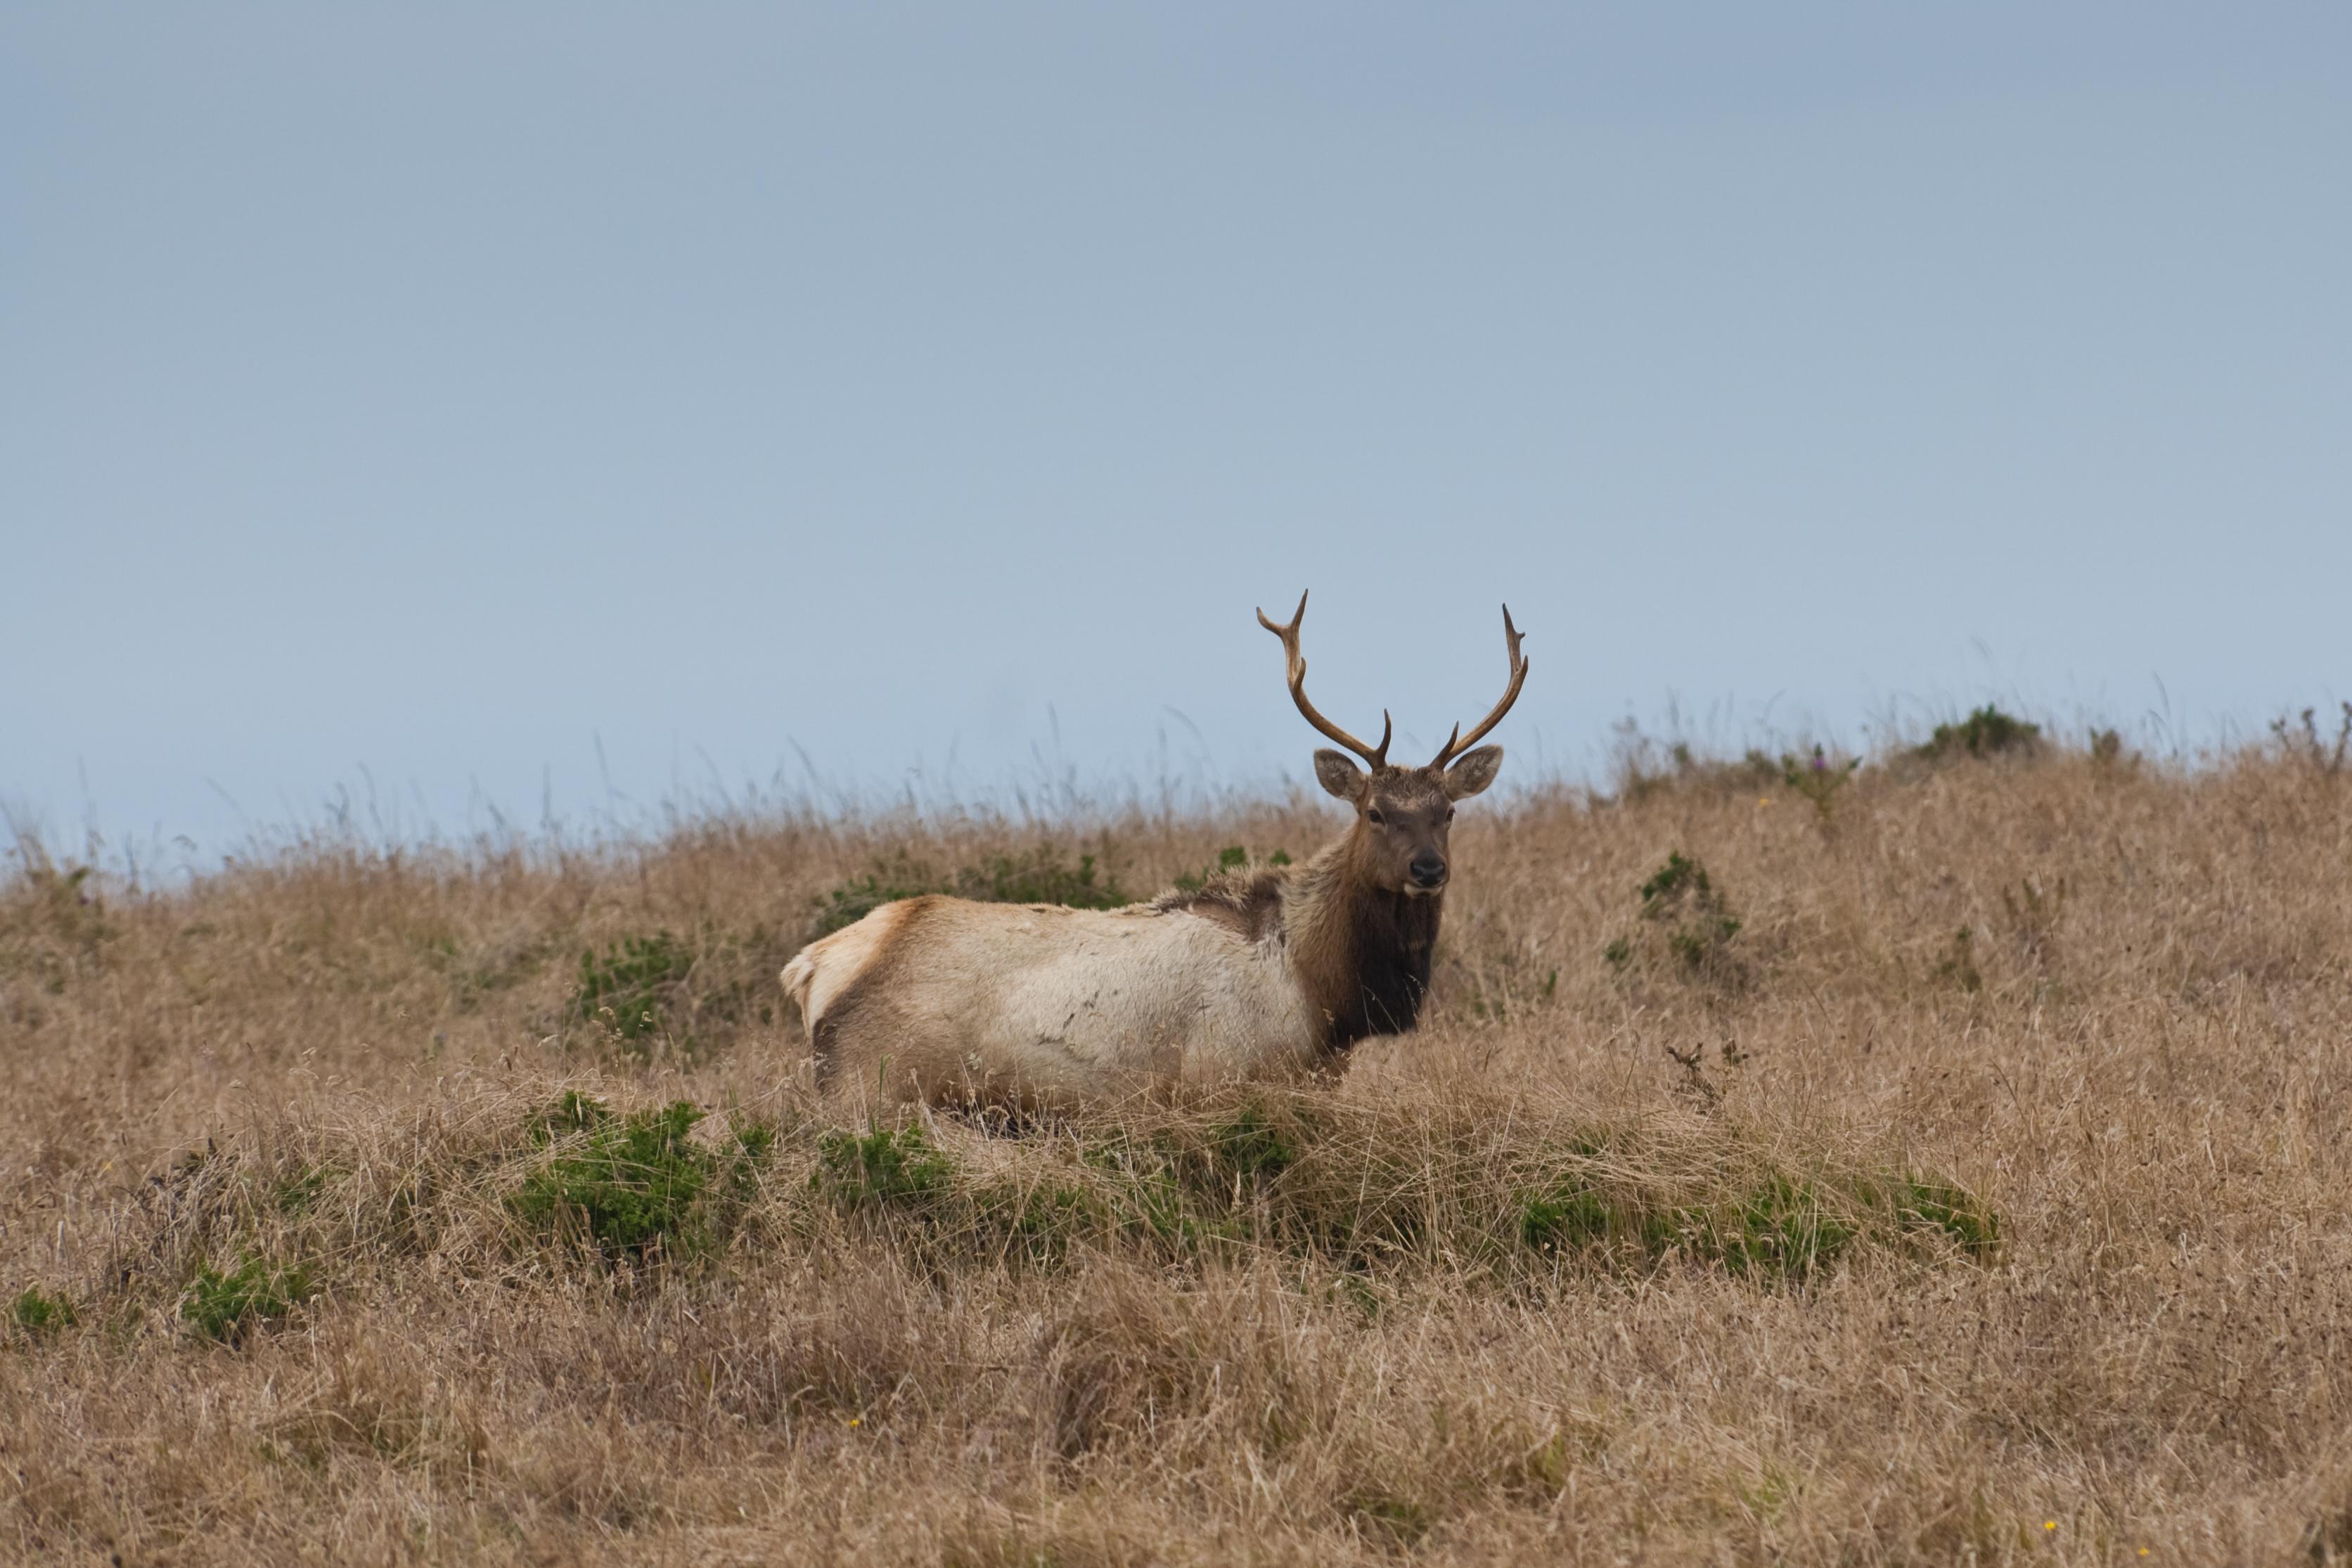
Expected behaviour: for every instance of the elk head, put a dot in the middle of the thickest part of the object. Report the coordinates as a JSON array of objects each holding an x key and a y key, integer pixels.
[{"x": 1401, "y": 813}]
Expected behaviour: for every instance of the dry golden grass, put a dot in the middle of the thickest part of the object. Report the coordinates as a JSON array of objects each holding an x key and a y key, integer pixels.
[{"x": 1144, "y": 1338}]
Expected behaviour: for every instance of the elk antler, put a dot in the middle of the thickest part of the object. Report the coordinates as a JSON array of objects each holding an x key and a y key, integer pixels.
[
  {"x": 1459, "y": 743},
  {"x": 1295, "y": 663}
]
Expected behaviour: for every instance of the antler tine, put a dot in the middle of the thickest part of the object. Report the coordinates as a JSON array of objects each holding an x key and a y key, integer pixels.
[
  {"x": 1294, "y": 669},
  {"x": 1458, "y": 742}
]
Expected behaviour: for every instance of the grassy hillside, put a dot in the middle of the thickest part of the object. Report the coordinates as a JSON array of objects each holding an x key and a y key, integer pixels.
[{"x": 1945, "y": 1162}]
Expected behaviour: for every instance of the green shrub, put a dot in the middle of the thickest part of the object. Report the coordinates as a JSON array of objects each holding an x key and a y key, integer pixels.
[
  {"x": 1777, "y": 1226},
  {"x": 38, "y": 1313},
  {"x": 1765, "y": 1222},
  {"x": 1680, "y": 877},
  {"x": 1695, "y": 924},
  {"x": 885, "y": 1165},
  {"x": 630, "y": 988},
  {"x": 634, "y": 1186},
  {"x": 1986, "y": 732},
  {"x": 255, "y": 1295},
  {"x": 1819, "y": 779}
]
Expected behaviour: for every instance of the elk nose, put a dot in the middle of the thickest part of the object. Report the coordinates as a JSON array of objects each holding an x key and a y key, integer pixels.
[{"x": 1429, "y": 870}]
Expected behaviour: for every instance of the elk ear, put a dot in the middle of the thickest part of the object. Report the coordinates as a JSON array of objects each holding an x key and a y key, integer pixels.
[
  {"x": 1473, "y": 773},
  {"x": 1338, "y": 775}
]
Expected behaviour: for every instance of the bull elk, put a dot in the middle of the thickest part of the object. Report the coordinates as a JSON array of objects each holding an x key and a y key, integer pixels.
[{"x": 1269, "y": 972}]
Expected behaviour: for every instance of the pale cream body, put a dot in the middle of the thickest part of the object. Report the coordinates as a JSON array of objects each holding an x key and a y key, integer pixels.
[{"x": 1034, "y": 1004}]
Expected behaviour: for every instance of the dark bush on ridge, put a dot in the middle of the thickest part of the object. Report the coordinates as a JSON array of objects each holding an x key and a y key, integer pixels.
[{"x": 1987, "y": 733}]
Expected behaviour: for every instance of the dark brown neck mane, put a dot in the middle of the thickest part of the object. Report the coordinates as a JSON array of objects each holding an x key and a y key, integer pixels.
[{"x": 1361, "y": 951}]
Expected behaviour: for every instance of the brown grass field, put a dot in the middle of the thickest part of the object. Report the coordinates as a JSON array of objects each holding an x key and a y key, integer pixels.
[{"x": 1836, "y": 1238}]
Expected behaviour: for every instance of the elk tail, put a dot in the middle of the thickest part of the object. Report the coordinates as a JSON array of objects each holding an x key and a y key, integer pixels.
[{"x": 798, "y": 976}]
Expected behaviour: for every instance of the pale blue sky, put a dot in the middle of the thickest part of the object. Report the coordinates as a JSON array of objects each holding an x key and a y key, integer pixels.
[{"x": 430, "y": 392}]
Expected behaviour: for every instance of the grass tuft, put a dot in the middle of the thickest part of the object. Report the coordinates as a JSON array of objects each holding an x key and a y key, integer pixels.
[{"x": 1687, "y": 918}]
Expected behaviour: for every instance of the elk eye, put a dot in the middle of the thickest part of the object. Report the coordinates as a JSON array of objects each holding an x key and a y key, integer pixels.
[
  {"x": 1449, "y": 813},
  {"x": 1374, "y": 816}
]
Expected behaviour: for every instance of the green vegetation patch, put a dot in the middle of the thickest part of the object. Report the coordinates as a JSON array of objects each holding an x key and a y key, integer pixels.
[
  {"x": 631, "y": 987},
  {"x": 885, "y": 1166},
  {"x": 257, "y": 1294},
  {"x": 1496, "y": 1192},
  {"x": 676, "y": 994},
  {"x": 1923, "y": 1204},
  {"x": 636, "y": 1185},
  {"x": 37, "y": 1313},
  {"x": 1352, "y": 1188},
  {"x": 1244, "y": 1150},
  {"x": 1686, "y": 919},
  {"x": 1818, "y": 779},
  {"x": 1784, "y": 1228},
  {"x": 1774, "y": 1224},
  {"x": 1570, "y": 1218}
]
